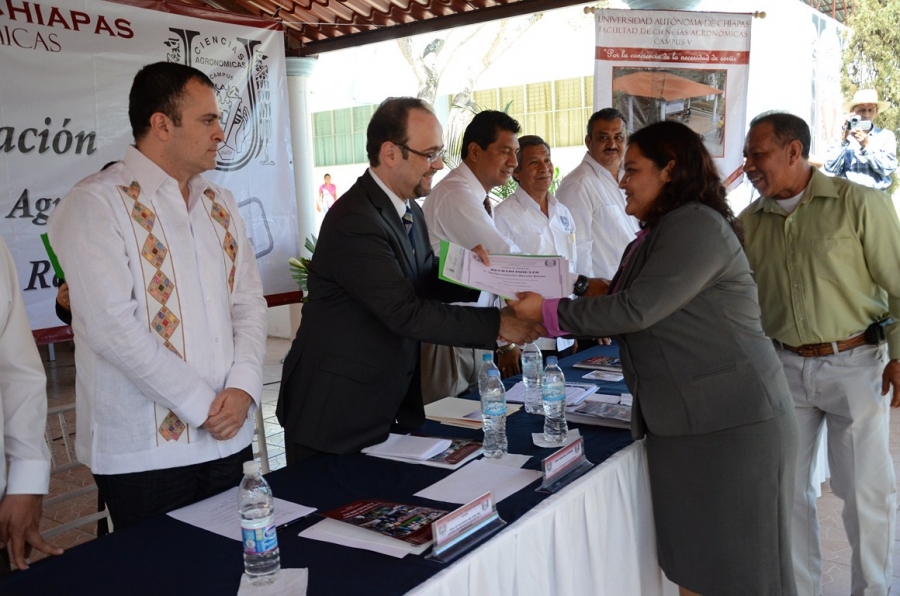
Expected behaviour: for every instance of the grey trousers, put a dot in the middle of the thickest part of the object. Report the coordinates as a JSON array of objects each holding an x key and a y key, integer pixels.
[
  {"x": 448, "y": 371},
  {"x": 843, "y": 391}
]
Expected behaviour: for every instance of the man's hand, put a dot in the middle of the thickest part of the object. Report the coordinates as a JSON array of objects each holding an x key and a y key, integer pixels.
[
  {"x": 597, "y": 286},
  {"x": 518, "y": 331},
  {"x": 228, "y": 413},
  {"x": 20, "y": 519},
  {"x": 62, "y": 296},
  {"x": 482, "y": 254},
  {"x": 891, "y": 376},
  {"x": 861, "y": 136},
  {"x": 528, "y": 306},
  {"x": 509, "y": 363}
]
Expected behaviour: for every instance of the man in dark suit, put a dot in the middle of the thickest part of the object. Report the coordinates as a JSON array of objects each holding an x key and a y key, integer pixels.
[{"x": 374, "y": 295}]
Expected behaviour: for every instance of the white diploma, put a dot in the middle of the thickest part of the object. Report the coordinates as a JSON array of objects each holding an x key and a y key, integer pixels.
[{"x": 548, "y": 275}]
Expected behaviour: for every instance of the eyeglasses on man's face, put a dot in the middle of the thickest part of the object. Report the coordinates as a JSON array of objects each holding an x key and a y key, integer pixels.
[{"x": 431, "y": 156}]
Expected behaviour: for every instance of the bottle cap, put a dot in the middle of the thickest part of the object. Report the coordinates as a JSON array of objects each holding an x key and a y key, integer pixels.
[
  {"x": 251, "y": 467},
  {"x": 551, "y": 360},
  {"x": 487, "y": 357},
  {"x": 493, "y": 372}
]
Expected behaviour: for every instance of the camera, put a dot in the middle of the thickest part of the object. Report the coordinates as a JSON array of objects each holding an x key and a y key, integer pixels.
[{"x": 857, "y": 123}]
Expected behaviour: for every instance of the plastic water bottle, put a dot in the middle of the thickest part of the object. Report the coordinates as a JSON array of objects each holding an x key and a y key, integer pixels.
[
  {"x": 532, "y": 363},
  {"x": 487, "y": 363},
  {"x": 554, "y": 397},
  {"x": 256, "y": 506},
  {"x": 493, "y": 415}
]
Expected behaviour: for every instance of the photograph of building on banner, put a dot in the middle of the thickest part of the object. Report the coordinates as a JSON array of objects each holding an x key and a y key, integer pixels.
[
  {"x": 692, "y": 67},
  {"x": 695, "y": 97}
]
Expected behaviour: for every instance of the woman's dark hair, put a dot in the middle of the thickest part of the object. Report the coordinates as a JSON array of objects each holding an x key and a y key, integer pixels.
[{"x": 694, "y": 176}]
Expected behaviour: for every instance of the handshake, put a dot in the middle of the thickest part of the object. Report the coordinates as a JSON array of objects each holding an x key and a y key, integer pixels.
[
  {"x": 518, "y": 330},
  {"x": 522, "y": 320}
]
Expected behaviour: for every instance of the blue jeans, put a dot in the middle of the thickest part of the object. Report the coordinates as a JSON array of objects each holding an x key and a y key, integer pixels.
[{"x": 137, "y": 496}]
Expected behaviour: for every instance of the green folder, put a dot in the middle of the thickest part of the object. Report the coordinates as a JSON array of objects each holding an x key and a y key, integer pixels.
[{"x": 53, "y": 261}]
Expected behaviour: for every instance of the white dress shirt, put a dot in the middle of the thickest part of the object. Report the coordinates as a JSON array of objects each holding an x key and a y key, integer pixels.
[
  {"x": 520, "y": 218},
  {"x": 23, "y": 394},
  {"x": 126, "y": 376},
  {"x": 597, "y": 204},
  {"x": 454, "y": 211}
]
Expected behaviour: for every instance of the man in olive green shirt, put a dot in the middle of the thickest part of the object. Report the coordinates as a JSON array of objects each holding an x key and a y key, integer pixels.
[{"x": 825, "y": 255}]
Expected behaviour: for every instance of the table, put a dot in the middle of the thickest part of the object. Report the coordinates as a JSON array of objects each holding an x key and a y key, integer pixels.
[{"x": 593, "y": 537}]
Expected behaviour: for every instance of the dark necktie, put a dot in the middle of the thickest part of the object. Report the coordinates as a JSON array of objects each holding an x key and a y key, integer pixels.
[
  {"x": 408, "y": 222},
  {"x": 487, "y": 205}
]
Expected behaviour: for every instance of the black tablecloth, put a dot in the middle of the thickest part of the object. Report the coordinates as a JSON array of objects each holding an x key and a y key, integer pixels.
[{"x": 163, "y": 555}]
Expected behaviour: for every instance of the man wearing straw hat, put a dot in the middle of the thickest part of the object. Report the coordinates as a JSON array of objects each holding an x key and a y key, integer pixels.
[{"x": 865, "y": 154}]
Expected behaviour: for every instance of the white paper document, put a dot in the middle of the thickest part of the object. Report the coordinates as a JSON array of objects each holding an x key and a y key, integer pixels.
[
  {"x": 287, "y": 581},
  {"x": 409, "y": 447},
  {"x": 338, "y": 532},
  {"x": 480, "y": 476},
  {"x": 548, "y": 275},
  {"x": 575, "y": 393},
  {"x": 460, "y": 412},
  {"x": 219, "y": 514},
  {"x": 538, "y": 439}
]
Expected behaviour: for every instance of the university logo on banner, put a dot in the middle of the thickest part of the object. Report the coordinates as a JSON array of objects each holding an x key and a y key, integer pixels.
[
  {"x": 240, "y": 71},
  {"x": 76, "y": 61}
]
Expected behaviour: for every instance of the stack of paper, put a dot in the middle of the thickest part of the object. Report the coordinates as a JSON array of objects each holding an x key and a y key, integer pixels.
[
  {"x": 575, "y": 393},
  {"x": 459, "y": 452},
  {"x": 459, "y": 412},
  {"x": 408, "y": 447}
]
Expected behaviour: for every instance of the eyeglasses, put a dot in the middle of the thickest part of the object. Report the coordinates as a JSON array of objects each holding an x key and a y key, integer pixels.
[{"x": 431, "y": 156}]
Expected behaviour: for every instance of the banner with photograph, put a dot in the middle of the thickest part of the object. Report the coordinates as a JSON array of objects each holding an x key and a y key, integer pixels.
[
  {"x": 674, "y": 65},
  {"x": 67, "y": 68}
]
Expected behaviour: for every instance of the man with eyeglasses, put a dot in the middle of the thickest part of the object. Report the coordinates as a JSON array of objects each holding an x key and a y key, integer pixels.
[
  {"x": 353, "y": 372},
  {"x": 591, "y": 192}
]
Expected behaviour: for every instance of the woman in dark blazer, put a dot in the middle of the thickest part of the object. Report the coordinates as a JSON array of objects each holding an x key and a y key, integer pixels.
[{"x": 709, "y": 392}]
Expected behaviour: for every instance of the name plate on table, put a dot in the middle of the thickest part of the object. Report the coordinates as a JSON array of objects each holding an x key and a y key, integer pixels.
[
  {"x": 464, "y": 528},
  {"x": 564, "y": 466}
]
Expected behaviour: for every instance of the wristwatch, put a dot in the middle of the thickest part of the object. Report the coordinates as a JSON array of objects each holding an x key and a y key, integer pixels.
[{"x": 581, "y": 285}]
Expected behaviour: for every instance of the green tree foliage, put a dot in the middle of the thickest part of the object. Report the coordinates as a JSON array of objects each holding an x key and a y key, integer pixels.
[{"x": 871, "y": 59}]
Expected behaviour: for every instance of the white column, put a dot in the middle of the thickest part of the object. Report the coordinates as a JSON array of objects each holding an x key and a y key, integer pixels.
[{"x": 298, "y": 73}]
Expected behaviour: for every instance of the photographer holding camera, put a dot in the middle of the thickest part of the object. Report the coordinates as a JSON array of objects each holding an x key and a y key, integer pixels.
[{"x": 865, "y": 154}]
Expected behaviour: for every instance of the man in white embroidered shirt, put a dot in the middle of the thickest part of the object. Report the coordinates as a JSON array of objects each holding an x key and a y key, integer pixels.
[
  {"x": 167, "y": 304},
  {"x": 591, "y": 192}
]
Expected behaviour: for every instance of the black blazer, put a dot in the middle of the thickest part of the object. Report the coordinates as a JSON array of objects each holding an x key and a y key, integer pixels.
[{"x": 353, "y": 369}]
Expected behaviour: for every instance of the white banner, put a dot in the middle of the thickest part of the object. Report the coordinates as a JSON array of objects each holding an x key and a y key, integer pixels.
[
  {"x": 67, "y": 67},
  {"x": 674, "y": 65}
]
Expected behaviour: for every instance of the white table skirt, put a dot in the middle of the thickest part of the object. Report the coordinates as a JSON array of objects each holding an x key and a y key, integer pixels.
[{"x": 596, "y": 537}]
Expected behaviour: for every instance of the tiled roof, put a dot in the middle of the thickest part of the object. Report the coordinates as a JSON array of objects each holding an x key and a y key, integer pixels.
[{"x": 314, "y": 26}]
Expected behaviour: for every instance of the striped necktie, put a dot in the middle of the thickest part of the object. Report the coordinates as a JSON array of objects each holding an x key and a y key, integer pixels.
[
  {"x": 408, "y": 222},
  {"x": 487, "y": 206}
]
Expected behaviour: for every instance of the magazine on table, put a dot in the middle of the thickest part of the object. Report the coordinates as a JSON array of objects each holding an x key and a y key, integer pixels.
[
  {"x": 408, "y": 523},
  {"x": 602, "y": 410},
  {"x": 608, "y": 363}
]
